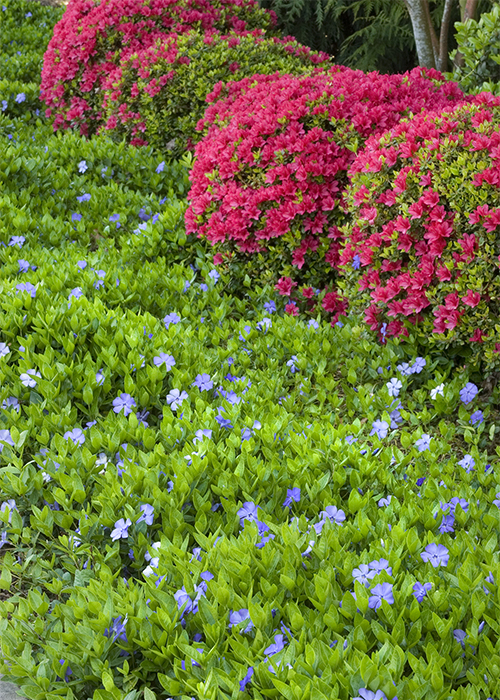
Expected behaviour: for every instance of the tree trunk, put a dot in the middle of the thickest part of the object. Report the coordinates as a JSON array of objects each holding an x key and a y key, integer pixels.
[
  {"x": 422, "y": 32},
  {"x": 468, "y": 11},
  {"x": 442, "y": 61},
  {"x": 468, "y": 8},
  {"x": 434, "y": 39}
]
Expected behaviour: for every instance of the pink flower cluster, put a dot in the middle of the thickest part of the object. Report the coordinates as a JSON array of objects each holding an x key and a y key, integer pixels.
[
  {"x": 274, "y": 159},
  {"x": 91, "y": 38},
  {"x": 425, "y": 202}
]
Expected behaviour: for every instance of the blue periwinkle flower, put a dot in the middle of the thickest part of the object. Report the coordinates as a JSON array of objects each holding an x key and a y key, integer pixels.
[
  {"x": 380, "y": 592},
  {"x": 469, "y": 392},
  {"x": 365, "y": 694},
  {"x": 121, "y": 529},
  {"x": 436, "y": 554},
  {"x": 380, "y": 428},
  {"x": 123, "y": 402},
  {"x": 420, "y": 590}
]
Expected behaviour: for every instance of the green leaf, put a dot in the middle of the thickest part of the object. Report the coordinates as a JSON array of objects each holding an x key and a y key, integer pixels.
[
  {"x": 5, "y": 579},
  {"x": 107, "y": 681},
  {"x": 436, "y": 676},
  {"x": 206, "y": 611},
  {"x": 285, "y": 689}
]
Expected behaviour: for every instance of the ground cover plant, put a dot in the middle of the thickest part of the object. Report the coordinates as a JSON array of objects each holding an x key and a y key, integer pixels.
[
  {"x": 202, "y": 495},
  {"x": 26, "y": 31},
  {"x": 269, "y": 177}
]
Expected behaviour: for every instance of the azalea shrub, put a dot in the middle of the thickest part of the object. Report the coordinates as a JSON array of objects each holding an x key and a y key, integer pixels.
[
  {"x": 270, "y": 173},
  {"x": 422, "y": 258},
  {"x": 157, "y": 95},
  {"x": 92, "y": 37}
]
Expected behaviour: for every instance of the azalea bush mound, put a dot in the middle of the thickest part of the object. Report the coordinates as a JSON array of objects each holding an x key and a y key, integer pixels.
[
  {"x": 270, "y": 173},
  {"x": 158, "y": 95},
  {"x": 92, "y": 37},
  {"x": 425, "y": 246}
]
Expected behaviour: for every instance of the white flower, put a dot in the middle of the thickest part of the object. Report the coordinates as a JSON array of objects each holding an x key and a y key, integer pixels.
[
  {"x": 153, "y": 560},
  {"x": 394, "y": 386},
  {"x": 266, "y": 322},
  {"x": 102, "y": 460},
  {"x": 437, "y": 390},
  {"x": 175, "y": 398},
  {"x": 27, "y": 377}
]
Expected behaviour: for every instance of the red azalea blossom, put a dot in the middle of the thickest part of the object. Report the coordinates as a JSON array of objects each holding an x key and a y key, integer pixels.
[
  {"x": 298, "y": 258},
  {"x": 477, "y": 336},
  {"x": 492, "y": 220},
  {"x": 291, "y": 309},
  {"x": 471, "y": 298},
  {"x": 285, "y": 285}
]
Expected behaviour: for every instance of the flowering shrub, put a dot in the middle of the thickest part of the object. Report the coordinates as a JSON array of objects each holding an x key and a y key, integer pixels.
[
  {"x": 164, "y": 87},
  {"x": 269, "y": 174},
  {"x": 91, "y": 38},
  {"x": 426, "y": 241}
]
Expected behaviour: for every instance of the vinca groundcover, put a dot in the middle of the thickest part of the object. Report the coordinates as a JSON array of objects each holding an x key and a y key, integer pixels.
[{"x": 202, "y": 496}]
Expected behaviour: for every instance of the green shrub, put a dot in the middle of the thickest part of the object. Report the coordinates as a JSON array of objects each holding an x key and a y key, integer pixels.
[
  {"x": 479, "y": 43},
  {"x": 424, "y": 244},
  {"x": 25, "y": 28},
  {"x": 25, "y": 68},
  {"x": 181, "y": 71},
  {"x": 96, "y": 193},
  {"x": 28, "y": 22}
]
